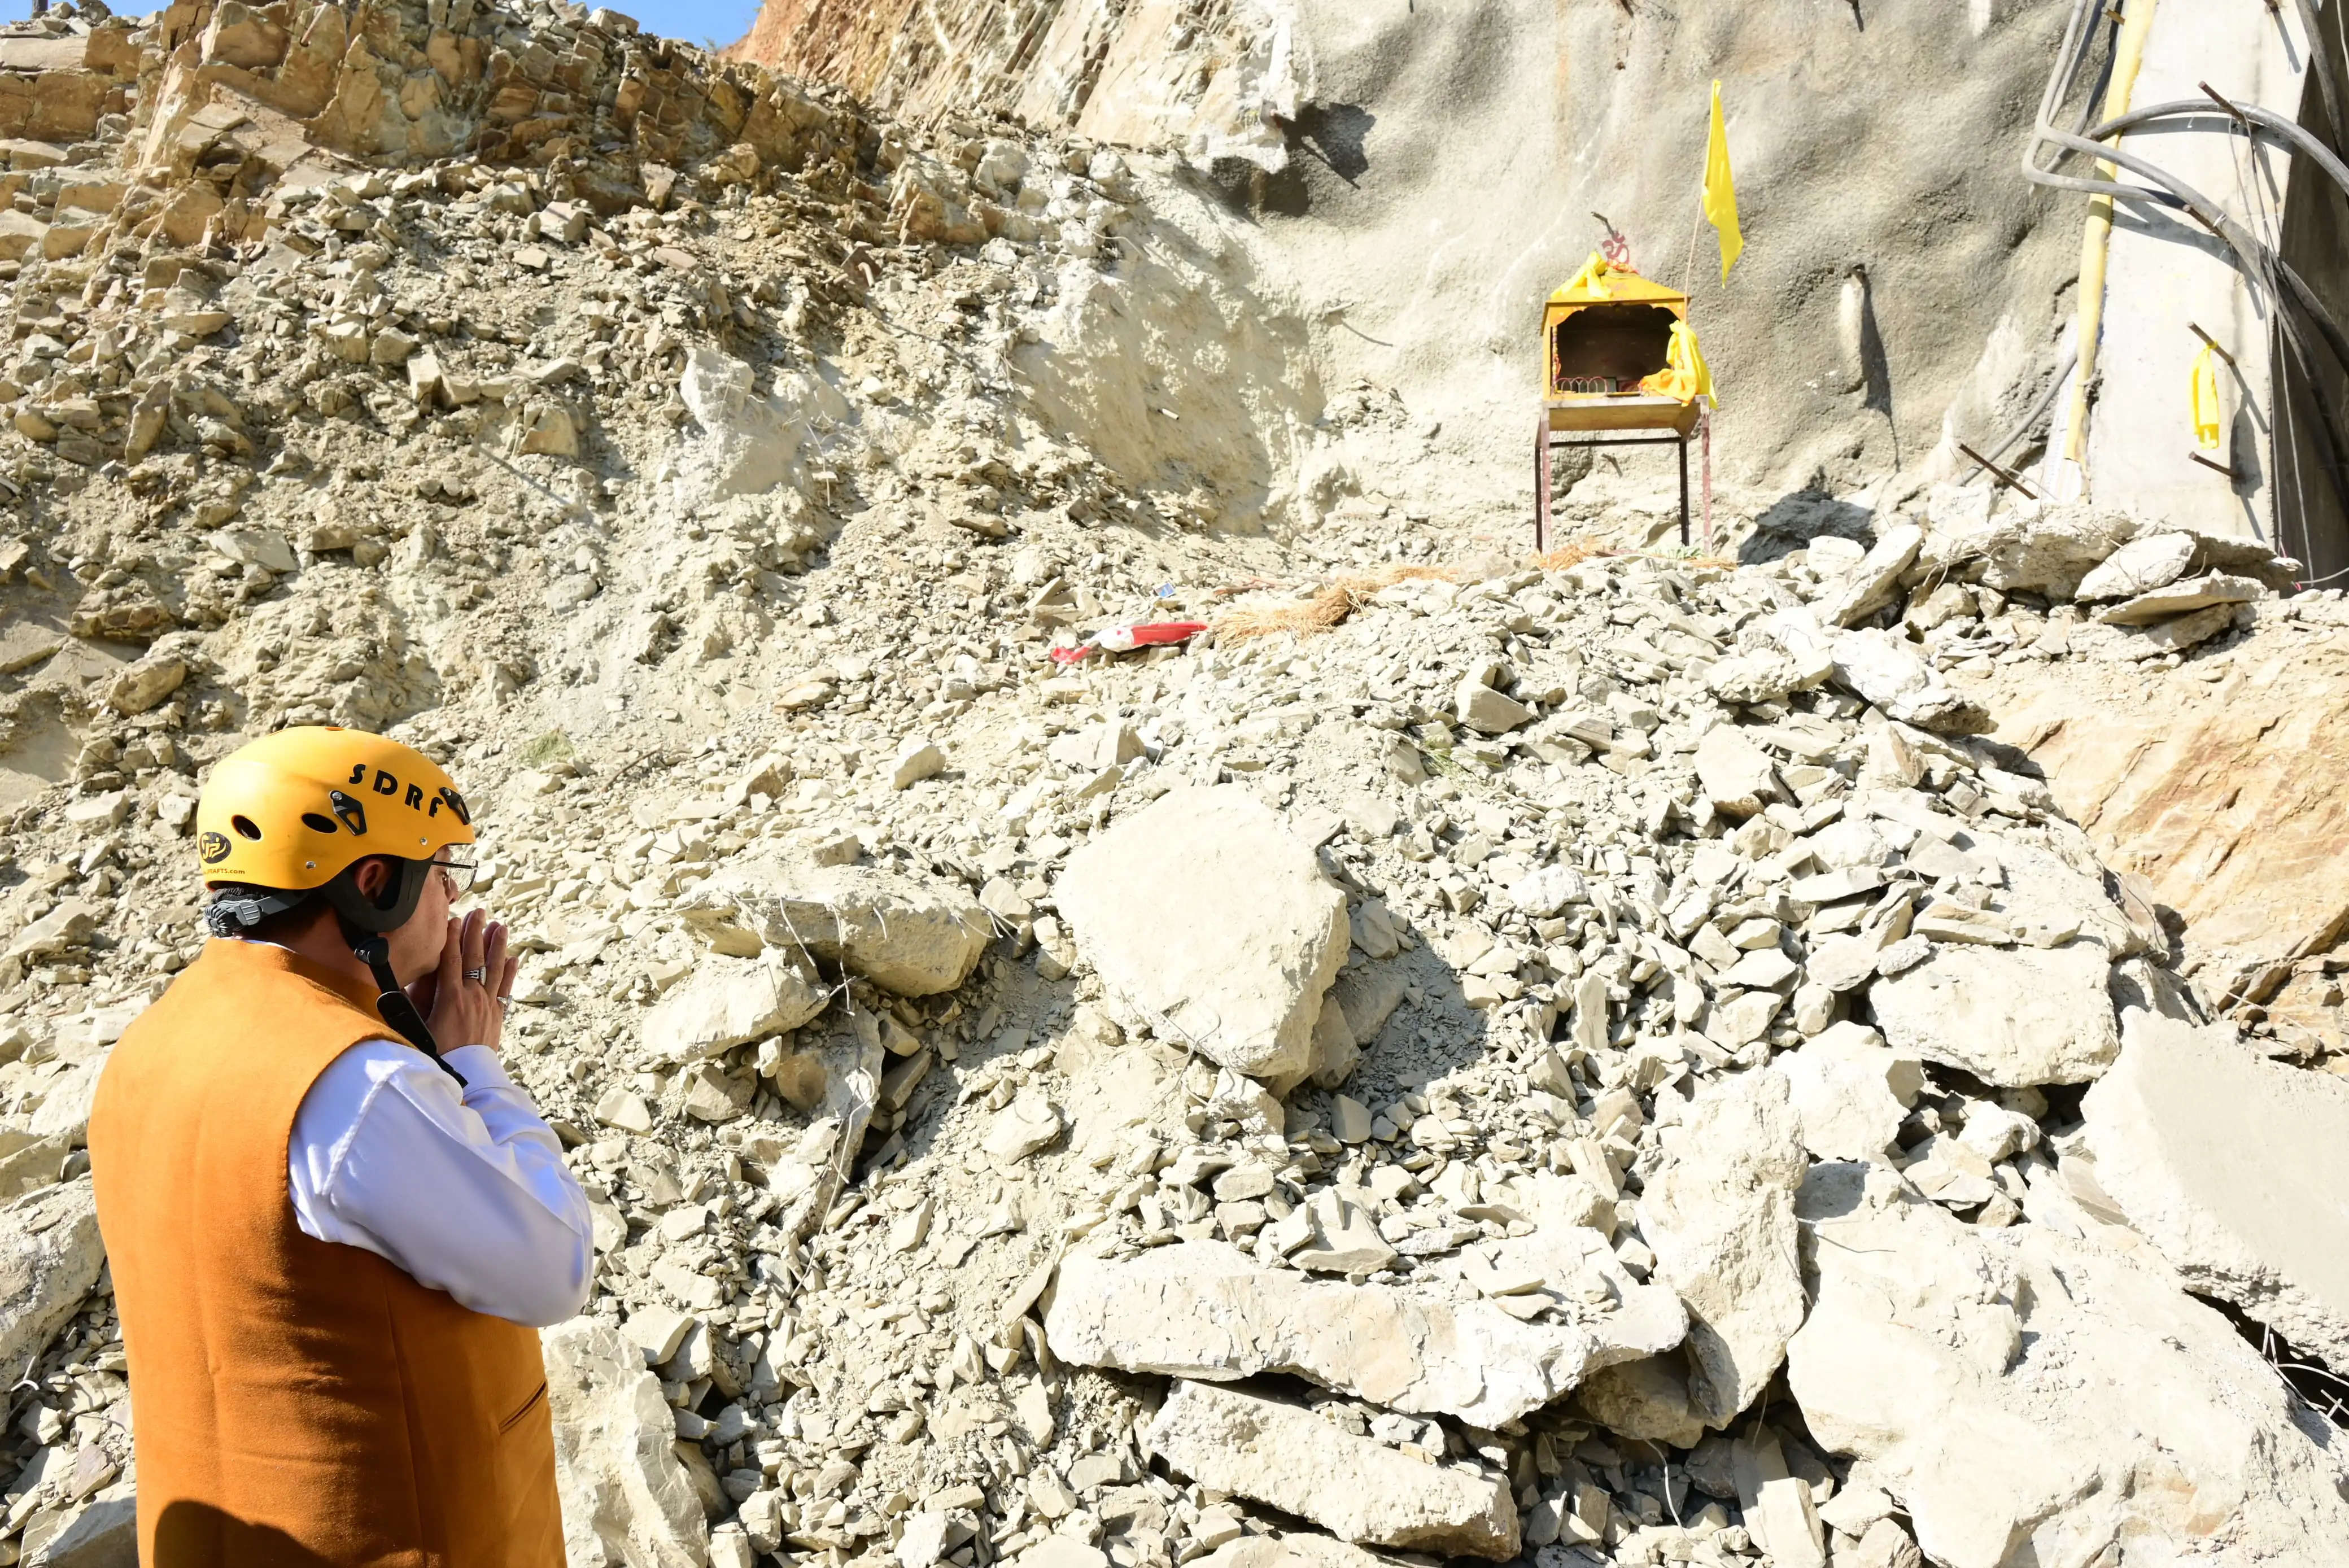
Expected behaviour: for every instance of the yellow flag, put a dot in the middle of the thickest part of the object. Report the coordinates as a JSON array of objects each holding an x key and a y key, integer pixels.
[
  {"x": 1720, "y": 190},
  {"x": 2207, "y": 417}
]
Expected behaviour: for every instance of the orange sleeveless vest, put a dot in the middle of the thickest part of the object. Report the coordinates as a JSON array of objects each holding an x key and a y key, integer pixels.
[{"x": 294, "y": 1401}]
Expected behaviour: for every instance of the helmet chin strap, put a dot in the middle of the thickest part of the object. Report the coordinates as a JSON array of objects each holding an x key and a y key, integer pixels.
[{"x": 371, "y": 949}]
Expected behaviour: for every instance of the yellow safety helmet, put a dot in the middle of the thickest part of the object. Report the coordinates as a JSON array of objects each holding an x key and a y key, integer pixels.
[{"x": 292, "y": 811}]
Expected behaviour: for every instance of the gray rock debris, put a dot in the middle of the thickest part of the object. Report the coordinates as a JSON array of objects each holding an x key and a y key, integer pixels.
[
  {"x": 103, "y": 1535},
  {"x": 1285, "y": 1455},
  {"x": 50, "y": 1255},
  {"x": 1851, "y": 1092},
  {"x": 1204, "y": 1310},
  {"x": 1719, "y": 1213},
  {"x": 1294, "y": 1550},
  {"x": 912, "y": 935},
  {"x": 2015, "y": 1389},
  {"x": 2233, "y": 1167},
  {"x": 1737, "y": 775},
  {"x": 728, "y": 1001},
  {"x": 2141, "y": 566},
  {"x": 626, "y": 1498},
  {"x": 2179, "y": 598},
  {"x": 2012, "y": 1016},
  {"x": 1876, "y": 578},
  {"x": 1203, "y": 914}
]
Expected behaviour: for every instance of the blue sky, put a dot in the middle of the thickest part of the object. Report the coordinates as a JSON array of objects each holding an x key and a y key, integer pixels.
[{"x": 696, "y": 21}]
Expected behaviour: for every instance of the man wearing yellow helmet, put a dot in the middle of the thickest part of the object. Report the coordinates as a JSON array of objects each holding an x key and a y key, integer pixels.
[{"x": 332, "y": 1247}]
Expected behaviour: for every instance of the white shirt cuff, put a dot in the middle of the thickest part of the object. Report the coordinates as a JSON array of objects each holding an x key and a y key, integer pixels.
[{"x": 479, "y": 1065}]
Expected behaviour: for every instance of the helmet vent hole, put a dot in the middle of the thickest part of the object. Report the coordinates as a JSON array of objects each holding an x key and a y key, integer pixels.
[
  {"x": 318, "y": 822},
  {"x": 244, "y": 827}
]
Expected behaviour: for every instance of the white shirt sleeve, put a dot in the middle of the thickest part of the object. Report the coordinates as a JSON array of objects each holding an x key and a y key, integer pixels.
[{"x": 466, "y": 1190}]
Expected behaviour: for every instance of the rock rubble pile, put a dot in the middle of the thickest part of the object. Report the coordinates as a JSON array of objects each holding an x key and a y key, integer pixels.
[{"x": 1589, "y": 1062}]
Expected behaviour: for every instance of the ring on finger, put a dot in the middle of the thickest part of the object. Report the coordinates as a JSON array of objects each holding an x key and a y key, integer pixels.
[
  {"x": 504, "y": 1003},
  {"x": 477, "y": 976}
]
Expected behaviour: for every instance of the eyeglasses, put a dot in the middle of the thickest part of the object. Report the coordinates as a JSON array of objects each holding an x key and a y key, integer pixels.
[{"x": 460, "y": 875}]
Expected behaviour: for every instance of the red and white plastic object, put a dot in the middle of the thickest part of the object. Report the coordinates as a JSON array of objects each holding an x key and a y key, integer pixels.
[{"x": 1125, "y": 639}]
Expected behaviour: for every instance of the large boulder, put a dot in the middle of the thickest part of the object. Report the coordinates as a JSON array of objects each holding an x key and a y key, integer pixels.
[
  {"x": 1892, "y": 673},
  {"x": 2013, "y": 1016},
  {"x": 2049, "y": 553},
  {"x": 727, "y": 1001},
  {"x": 104, "y": 1534},
  {"x": 1206, "y": 1310},
  {"x": 2028, "y": 1398},
  {"x": 913, "y": 935},
  {"x": 50, "y": 1255},
  {"x": 1850, "y": 1091},
  {"x": 1208, "y": 917},
  {"x": 1874, "y": 580},
  {"x": 627, "y": 1500},
  {"x": 1294, "y": 1550},
  {"x": 2141, "y": 566},
  {"x": 65, "y": 1106},
  {"x": 2234, "y": 1168},
  {"x": 1719, "y": 1213},
  {"x": 1362, "y": 1490},
  {"x": 1737, "y": 775}
]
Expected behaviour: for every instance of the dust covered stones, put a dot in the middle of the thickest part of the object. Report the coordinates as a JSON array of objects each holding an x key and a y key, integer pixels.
[
  {"x": 912, "y": 935},
  {"x": 1208, "y": 917},
  {"x": 1720, "y": 1215},
  {"x": 2011, "y": 1016},
  {"x": 728, "y": 1001},
  {"x": 1205, "y": 1310},
  {"x": 1285, "y": 1455},
  {"x": 2234, "y": 1168},
  {"x": 626, "y": 1497},
  {"x": 1932, "y": 1353},
  {"x": 50, "y": 1255}
]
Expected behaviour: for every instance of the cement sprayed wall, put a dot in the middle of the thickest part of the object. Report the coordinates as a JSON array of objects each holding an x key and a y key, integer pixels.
[
  {"x": 2169, "y": 275},
  {"x": 1416, "y": 178},
  {"x": 1411, "y": 180}
]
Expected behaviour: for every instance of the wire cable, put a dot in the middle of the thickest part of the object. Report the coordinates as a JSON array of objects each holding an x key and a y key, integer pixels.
[{"x": 2298, "y": 309}]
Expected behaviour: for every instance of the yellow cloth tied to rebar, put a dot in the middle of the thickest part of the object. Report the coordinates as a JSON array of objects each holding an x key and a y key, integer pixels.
[
  {"x": 2207, "y": 417},
  {"x": 1684, "y": 378}
]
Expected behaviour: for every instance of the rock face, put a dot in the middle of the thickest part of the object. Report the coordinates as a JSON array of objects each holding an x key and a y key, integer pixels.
[
  {"x": 1205, "y": 1310},
  {"x": 1720, "y": 1214},
  {"x": 2016, "y": 1391},
  {"x": 1285, "y": 1455},
  {"x": 628, "y": 1500},
  {"x": 2012, "y": 1016},
  {"x": 2223, "y": 800},
  {"x": 1208, "y": 916},
  {"x": 50, "y": 1254},
  {"x": 2234, "y": 1168},
  {"x": 912, "y": 935}
]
